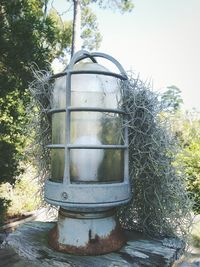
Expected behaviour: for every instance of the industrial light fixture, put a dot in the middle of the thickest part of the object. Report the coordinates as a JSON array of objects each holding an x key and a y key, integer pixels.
[{"x": 89, "y": 156}]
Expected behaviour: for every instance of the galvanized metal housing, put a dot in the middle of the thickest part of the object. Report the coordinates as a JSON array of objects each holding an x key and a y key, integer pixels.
[{"x": 74, "y": 193}]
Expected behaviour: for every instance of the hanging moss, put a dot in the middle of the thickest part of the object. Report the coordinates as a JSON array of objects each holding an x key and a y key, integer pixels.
[{"x": 160, "y": 205}]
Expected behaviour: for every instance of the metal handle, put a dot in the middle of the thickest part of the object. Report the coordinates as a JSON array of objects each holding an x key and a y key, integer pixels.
[{"x": 82, "y": 54}]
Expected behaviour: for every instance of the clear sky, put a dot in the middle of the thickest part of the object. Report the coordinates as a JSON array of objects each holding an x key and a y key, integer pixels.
[{"x": 159, "y": 39}]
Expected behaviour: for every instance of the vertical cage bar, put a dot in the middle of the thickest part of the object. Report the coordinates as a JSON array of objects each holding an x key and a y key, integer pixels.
[
  {"x": 66, "y": 178},
  {"x": 126, "y": 155}
]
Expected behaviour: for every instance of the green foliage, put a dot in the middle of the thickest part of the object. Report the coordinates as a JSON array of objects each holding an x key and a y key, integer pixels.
[
  {"x": 26, "y": 36},
  {"x": 23, "y": 195},
  {"x": 90, "y": 32},
  {"x": 191, "y": 163},
  {"x": 89, "y": 25},
  {"x": 12, "y": 135},
  {"x": 186, "y": 127},
  {"x": 63, "y": 34},
  {"x": 121, "y": 5},
  {"x": 172, "y": 98},
  {"x": 4, "y": 204},
  {"x": 9, "y": 162},
  {"x": 187, "y": 130}
]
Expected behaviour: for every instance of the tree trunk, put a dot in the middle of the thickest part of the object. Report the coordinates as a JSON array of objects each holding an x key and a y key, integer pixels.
[{"x": 76, "y": 32}]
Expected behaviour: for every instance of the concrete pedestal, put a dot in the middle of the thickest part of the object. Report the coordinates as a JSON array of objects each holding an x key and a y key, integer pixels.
[
  {"x": 91, "y": 233},
  {"x": 28, "y": 246}
]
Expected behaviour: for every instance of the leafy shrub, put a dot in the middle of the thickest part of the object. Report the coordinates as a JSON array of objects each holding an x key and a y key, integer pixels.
[
  {"x": 189, "y": 158},
  {"x": 23, "y": 196},
  {"x": 186, "y": 127},
  {"x": 18, "y": 19},
  {"x": 8, "y": 162},
  {"x": 4, "y": 204}
]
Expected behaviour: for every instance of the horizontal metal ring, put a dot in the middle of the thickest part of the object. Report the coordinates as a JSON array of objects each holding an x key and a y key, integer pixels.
[
  {"x": 108, "y": 110},
  {"x": 106, "y": 73},
  {"x": 56, "y": 110},
  {"x": 70, "y": 146},
  {"x": 58, "y": 75},
  {"x": 79, "y": 109},
  {"x": 86, "y": 215}
]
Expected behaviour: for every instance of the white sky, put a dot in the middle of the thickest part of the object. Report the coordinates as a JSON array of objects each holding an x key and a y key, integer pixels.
[{"x": 160, "y": 39}]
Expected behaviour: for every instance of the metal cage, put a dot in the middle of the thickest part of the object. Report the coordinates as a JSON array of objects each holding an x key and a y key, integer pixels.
[{"x": 76, "y": 195}]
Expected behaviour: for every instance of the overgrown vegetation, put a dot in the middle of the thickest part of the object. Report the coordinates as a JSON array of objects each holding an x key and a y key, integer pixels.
[
  {"x": 23, "y": 195},
  {"x": 26, "y": 36},
  {"x": 4, "y": 205},
  {"x": 160, "y": 204},
  {"x": 41, "y": 92},
  {"x": 186, "y": 127}
]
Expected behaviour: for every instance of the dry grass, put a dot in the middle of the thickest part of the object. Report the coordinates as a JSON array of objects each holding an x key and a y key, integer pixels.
[{"x": 23, "y": 195}]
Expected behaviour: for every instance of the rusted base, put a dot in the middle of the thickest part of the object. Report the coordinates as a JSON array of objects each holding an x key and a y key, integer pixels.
[{"x": 96, "y": 244}]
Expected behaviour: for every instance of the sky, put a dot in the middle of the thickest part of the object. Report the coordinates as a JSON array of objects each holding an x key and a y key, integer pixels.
[{"x": 159, "y": 40}]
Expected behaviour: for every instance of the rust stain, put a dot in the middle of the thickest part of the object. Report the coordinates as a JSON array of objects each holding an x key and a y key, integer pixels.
[
  {"x": 95, "y": 246},
  {"x": 93, "y": 240}
]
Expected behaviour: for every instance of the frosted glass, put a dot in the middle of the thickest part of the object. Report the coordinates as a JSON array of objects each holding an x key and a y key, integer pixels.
[
  {"x": 89, "y": 90},
  {"x": 105, "y": 127},
  {"x": 88, "y": 128},
  {"x": 96, "y": 128},
  {"x": 57, "y": 165},
  {"x": 58, "y": 128},
  {"x": 96, "y": 165},
  {"x": 59, "y": 93}
]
